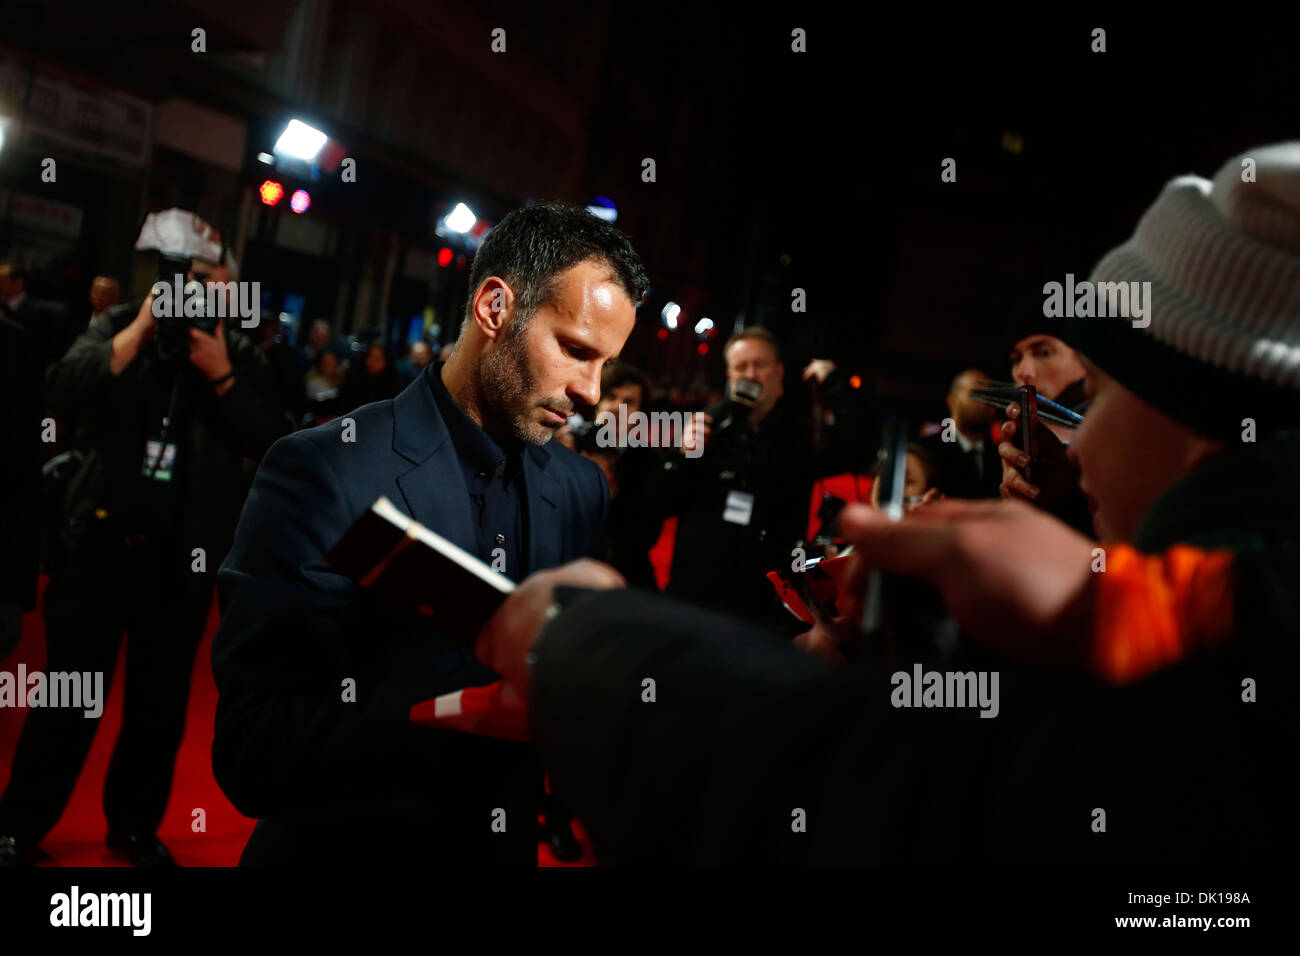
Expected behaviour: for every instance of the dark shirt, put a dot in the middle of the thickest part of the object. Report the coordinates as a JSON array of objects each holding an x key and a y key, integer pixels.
[{"x": 495, "y": 479}]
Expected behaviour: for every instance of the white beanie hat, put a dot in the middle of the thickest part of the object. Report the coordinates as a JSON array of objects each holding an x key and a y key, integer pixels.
[{"x": 1223, "y": 262}]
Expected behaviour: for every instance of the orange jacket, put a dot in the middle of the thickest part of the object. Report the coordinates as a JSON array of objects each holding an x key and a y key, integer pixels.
[{"x": 1153, "y": 610}]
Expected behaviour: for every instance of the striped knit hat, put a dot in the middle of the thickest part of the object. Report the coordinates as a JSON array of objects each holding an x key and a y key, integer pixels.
[{"x": 1223, "y": 262}]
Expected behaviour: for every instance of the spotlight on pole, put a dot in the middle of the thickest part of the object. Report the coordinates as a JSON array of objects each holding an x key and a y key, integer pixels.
[{"x": 300, "y": 141}]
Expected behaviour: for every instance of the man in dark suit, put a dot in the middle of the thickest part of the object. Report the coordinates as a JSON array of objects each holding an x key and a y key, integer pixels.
[
  {"x": 338, "y": 776},
  {"x": 965, "y": 457}
]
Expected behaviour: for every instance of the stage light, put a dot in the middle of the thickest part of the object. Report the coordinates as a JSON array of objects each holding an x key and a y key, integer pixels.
[
  {"x": 271, "y": 192},
  {"x": 670, "y": 313},
  {"x": 663, "y": 334},
  {"x": 300, "y": 141},
  {"x": 855, "y": 381},
  {"x": 703, "y": 348},
  {"x": 461, "y": 219},
  {"x": 444, "y": 257},
  {"x": 703, "y": 326},
  {"x": 300, "y": 201},
  {"x": 266, "y": 158}
]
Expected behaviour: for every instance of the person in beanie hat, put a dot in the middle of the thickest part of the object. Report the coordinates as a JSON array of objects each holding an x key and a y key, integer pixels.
[
  {"x": 1040, "y": 357},
  {"x": 1143, "y": 715}
]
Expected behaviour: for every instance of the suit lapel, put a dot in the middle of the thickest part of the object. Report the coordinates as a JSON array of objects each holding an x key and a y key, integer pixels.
[
  {"x": 543, "y": 493},
  {"x": 433, "y": 490}
]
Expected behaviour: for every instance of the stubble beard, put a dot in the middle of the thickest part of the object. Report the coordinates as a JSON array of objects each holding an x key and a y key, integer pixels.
[{"x": 507, "y": 385}]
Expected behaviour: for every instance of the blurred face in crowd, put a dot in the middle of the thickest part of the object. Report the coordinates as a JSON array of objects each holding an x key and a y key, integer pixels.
[
  {"x": 756, "y": 359},
  {"x": 319, "y": 336},
  {"x": 969, "y": 415},
  {"x": 1129, "y": 453},
  {"x": 421, "y": 355},
  {"x": 915, "y": 482},
  {"x": 10, "y": 284},
  {"x": 533, "y": 377},
  {"x": 628, "y": 394},
  {"x": 1046, "y": 363},
  {"x": 376, "y": 359},
  {"x": 103, "y": 293}
]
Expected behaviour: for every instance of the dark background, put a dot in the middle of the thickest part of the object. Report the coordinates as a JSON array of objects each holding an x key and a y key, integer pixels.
[{"x": 775, "y": 170}]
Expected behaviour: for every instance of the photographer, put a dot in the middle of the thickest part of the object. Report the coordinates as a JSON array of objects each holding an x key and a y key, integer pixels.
[
  {"x": 168, "y": 423},
  {"x": 743, "y": 480}
]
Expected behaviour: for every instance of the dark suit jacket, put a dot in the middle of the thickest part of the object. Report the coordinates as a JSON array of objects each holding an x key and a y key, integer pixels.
[
  {"x": 957, "y": 475},
  {"x": 339, "y": 782}
]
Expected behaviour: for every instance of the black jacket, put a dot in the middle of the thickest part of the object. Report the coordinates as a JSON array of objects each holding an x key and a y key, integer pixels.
[
  {"x": 220, "y": 440},
  {"x": 745, "y": 733},
  {"x": 957, "y": 475},
  {"x": 336, "y": 781}
]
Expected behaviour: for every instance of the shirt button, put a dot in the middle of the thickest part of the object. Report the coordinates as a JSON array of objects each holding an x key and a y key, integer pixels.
[{"x": 501, "y": 539}]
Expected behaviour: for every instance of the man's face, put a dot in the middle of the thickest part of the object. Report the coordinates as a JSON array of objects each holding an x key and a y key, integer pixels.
[
  {"x": 1046, "y": 363},
  {"x": 103, "y": 293},
  {"x": 1128, "y": 453},
  {"x": 968, "y": 414},
  {"x": 533, "y": 379},
  {"x": 756, "y": 359},
  {"x": 628, "y": 394}
]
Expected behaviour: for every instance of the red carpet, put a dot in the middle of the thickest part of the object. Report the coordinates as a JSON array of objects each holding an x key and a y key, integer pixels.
[{"x": 78, "y": 839}]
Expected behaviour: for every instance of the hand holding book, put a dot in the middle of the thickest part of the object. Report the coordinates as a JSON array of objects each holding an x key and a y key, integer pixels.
[{"x": 415, "y": 568}]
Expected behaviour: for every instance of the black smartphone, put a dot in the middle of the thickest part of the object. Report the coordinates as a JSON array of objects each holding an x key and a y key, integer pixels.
[{"x": 1028, "y": 428}]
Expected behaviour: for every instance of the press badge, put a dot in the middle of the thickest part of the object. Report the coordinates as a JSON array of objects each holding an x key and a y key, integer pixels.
[
  {"x": 739, "y": 508},
  {"x": 158, "y": 461}
]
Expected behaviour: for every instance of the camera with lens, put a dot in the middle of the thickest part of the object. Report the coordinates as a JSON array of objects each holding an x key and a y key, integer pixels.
[
  {"x": 731, "y": 446},
  {"x": 175, "y": 322}
]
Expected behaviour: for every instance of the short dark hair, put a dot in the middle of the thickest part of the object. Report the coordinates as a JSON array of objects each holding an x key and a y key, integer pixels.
[
  {"x": 529, "y": 247},
  {"x": 756, "y": 333},
  {"x": 616, "y": 374}
]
